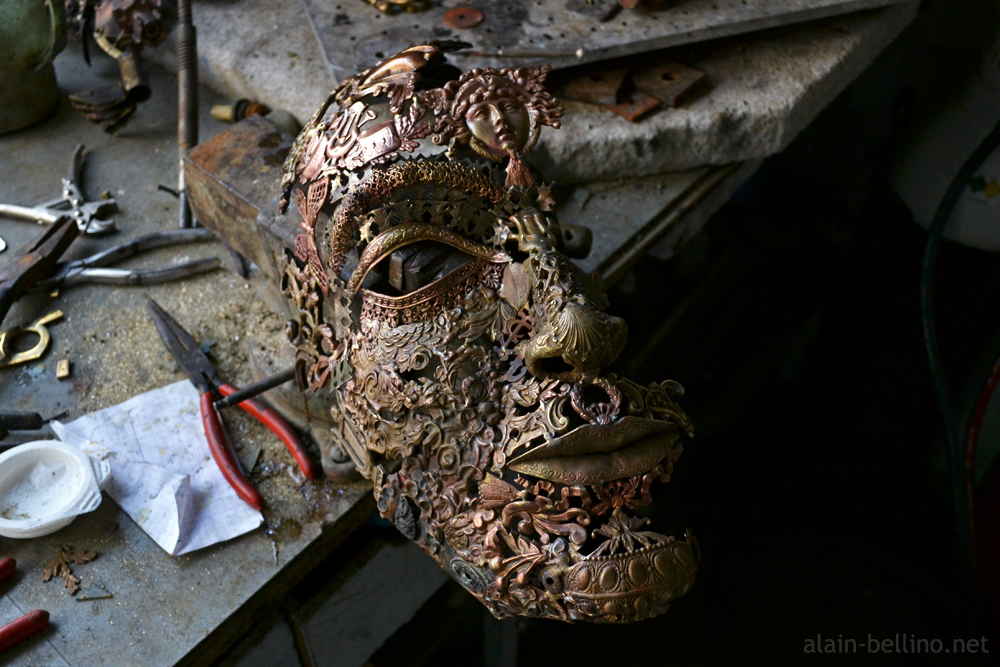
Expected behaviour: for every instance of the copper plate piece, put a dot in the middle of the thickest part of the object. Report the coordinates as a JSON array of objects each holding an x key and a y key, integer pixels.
[
  {"x": 671, "y": 83},
  {"x": 635, "y": 106},
  {"x": 463, "y": 17},
  {"x": 600, "y": 87}
]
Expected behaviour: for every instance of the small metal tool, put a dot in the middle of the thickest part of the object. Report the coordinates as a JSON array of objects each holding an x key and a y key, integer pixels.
[
  {"x": 88, "y": 215},
  {"x": 257, "y": 388},
  {"x": 187, "y": 100},
  {"x": 21, "y": 628},
  {"x": 202, "y": 374},
  {"x": 93, "y": 269},
  {"x": 19, "y": 421},
  {"x": 32, "y": 262},
  {"x": 524, "y": 53}
]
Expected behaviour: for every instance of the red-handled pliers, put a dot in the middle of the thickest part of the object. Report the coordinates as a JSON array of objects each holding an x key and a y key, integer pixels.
[
  {"x": 21, "y": 628},
  {"x": 203, "y": 375}
]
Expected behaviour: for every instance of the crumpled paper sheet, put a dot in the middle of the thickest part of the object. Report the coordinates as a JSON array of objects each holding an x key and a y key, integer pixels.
[{"x": 162, "y": 473}]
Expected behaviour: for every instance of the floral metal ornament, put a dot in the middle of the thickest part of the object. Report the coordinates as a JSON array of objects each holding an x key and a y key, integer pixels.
[{"x": 462, "y": 354}]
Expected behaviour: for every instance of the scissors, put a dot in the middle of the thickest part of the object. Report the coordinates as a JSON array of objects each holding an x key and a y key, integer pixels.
[
  {"x": 203, "y": 375},
  {"x": 71, "y": 205}
]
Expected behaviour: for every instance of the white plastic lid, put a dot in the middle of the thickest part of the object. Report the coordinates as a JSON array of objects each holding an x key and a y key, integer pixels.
[{"x": 44, "y": 485}]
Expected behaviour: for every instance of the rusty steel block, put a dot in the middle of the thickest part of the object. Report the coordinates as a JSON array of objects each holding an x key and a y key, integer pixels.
[{"x": 232, "y": 177}]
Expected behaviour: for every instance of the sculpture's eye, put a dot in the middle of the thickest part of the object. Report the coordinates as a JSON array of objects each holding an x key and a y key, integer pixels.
[{"x": 413, "y": 267}]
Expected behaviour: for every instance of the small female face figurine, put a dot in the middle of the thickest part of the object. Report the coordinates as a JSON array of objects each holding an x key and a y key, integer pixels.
[{"x": 500, "y": 122}]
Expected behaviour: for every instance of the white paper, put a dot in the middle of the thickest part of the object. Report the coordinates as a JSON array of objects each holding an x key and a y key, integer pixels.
[{"x": 162, "y": 473}]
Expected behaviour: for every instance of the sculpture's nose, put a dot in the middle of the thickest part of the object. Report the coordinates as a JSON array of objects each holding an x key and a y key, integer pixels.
[
  {"x": 576, "y": 342},
  {"x": 497, "y": 117}
]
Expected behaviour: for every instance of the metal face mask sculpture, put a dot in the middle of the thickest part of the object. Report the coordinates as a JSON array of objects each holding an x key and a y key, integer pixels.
[{"x": 462, "y": 353}]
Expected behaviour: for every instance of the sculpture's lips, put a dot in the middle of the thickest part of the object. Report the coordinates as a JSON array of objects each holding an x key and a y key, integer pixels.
[{"x": 593, "y": 454}]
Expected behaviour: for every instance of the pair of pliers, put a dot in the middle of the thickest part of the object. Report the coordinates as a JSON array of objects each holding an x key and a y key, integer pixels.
[
  {"x": 21, "y": 628},
  {"x": 203, "y": 375},
  {"x": 94, "y": 269},
  {"x": 89, "y": 216},
  {"x": 21, "y": 271}
]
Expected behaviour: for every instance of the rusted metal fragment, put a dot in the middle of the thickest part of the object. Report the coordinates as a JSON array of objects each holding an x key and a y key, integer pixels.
[
  {"x": 232, "y": 176},
  {"x": 463, "y": 17},
  {"x": 599, "y": 87},
  {"x": 636, "y": 105},
  {"x": 670, "y": 83}
]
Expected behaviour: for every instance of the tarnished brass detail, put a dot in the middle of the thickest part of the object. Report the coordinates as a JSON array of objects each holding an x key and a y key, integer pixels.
[
  {"x": 35, "y": 352},
  {"x": 392, "y": 6},
  {"x": 476, "y": 401}
]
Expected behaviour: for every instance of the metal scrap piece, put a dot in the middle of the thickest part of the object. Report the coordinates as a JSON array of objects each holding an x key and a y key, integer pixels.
[
  {"x": 636, "y": 105},
  {"x": 461, "y": 18},
  {"x": 600, "y": 87},
  {"x": 670, "y": 83}
]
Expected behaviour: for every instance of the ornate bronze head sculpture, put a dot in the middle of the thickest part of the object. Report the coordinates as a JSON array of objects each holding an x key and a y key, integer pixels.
[{"x": 462, "y": 353}]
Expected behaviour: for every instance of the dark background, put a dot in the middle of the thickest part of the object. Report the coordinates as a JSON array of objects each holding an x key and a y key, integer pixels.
[{"x": 815, "y": 483}]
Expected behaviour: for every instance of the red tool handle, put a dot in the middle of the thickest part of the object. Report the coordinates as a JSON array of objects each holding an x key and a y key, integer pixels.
[
  {"x": 7, "y": 566},
  {"x": 272, "y": 420},
  {"x": 225, "y": 457},
  {"x": 20, "y": 629}
]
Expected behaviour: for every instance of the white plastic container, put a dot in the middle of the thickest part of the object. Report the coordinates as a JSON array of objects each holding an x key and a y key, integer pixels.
[{"x": 44, "y": 485}]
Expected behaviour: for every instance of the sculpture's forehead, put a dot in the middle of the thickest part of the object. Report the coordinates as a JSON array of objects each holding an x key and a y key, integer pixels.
[{"x": 489, "y": 87}]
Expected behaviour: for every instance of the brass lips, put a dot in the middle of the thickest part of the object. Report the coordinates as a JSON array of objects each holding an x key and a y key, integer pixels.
[{"x": 593, "y": 454}]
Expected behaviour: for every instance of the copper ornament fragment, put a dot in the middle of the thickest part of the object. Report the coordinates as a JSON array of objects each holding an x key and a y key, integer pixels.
[
  {"x": 635, "y": 105},
  {"x": 463, "y": 17},
  {"x": 462, "y": 354},
  {"x": 670, "y": 83}
]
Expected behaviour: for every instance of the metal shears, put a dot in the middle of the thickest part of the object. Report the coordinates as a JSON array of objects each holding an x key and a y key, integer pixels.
[
  {"x": 89, "y": 216},
  {"x": 203, "y": 375}
]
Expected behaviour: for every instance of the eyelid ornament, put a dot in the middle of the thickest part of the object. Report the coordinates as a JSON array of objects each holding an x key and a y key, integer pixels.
[{"x": 408, "y": 233}]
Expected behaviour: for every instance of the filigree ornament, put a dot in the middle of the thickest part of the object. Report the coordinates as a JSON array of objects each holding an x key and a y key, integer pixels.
[{"x": 462, "y": 353}]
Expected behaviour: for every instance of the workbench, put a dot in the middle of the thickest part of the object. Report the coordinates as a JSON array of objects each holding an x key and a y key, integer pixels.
[{"x": 189, "y": 610}]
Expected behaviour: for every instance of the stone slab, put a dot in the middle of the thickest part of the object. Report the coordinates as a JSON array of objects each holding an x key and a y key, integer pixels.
[
  {"x": 764, "y": 87},
  {"x": 354, "y": 35}
]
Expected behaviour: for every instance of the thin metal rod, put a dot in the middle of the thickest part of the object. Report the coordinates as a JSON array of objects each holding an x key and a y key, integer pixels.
[
  {"x": 187, "y": 99},
  {"x": 255, "y": 389}
]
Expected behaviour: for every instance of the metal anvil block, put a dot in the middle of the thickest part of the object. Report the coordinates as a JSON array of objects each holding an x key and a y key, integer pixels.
[{"x": 234, "y": 176}]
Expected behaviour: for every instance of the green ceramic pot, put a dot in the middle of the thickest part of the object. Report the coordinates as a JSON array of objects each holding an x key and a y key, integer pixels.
[{"x": 32, "y": 32}]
